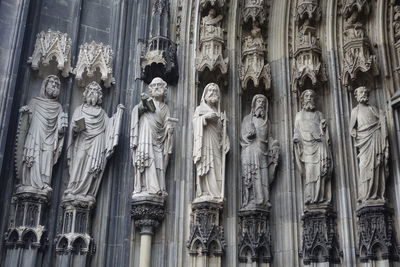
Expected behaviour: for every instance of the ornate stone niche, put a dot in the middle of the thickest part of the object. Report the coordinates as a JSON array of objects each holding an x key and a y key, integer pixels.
[
  {"x": 320, "y": 243},
  {"x": 307, "y": 66},
  {"x": 254, "y": 68},
  {"x": 95, "y": 63},
  {"x": 254, "y": 237},
  {"x": 74, "y": 237},
  {"x": 376, "y": 235},
  {"x": 206, "y": 233},
  {"x": 159, "y": 60},
  {"x": 254, "y": 10},
  {"x": 213, "y": 3},
  {"x": 26, "y": 227},
  {"x": 211, "y": 45},
  {"x": 52, "y": 45},
  {"x": 358, "y": 58},
  {"x": 308, "y": 13},
  {"x": 355, "y": 12}
]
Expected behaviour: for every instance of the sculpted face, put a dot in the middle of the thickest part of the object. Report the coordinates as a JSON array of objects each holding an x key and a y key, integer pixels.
[
  {"x": 362, "y": 95},
  {"x": 93, "y": 95},
  {"x": 157, "y": 87},
  {"x": 212, "y": 94},
  {"x": 308, "y": 98},
  {"x": 260, "y": 107},
  {"x": 212, "y": 13},
  {"x": 53, "y": 87}
]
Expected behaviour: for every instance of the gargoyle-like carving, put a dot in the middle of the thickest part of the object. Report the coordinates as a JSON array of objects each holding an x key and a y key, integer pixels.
[
  {"x": 377, "y": 239},
  {"x": 52, "y": 45},
  {"x": 320, "y": 242},
  {"x": 93, "y": 56},
  {"x": 253, "y": 60},
  {"x": 254, "y": 237},
  {"x": 307, "y": 64},
  {"x": 255, "y": 10},
  {"x": 211, "y": 44},
  {"x": 206, "y": 234}
]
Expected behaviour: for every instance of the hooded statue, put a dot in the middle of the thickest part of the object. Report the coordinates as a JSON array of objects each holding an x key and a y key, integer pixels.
[
  {"x": 40, "y": 138},
  {"x": 211, "y": 144}
]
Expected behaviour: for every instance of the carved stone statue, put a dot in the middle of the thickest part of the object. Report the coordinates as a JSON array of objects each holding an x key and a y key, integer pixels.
[
  {"x": 93, "y": 137},
  {"x": 211, "y": 25},
  {"x": 255, "y": 40},
  {"x": 312, "y": 151},
  {"x": 211, "y": 144},
  {"x": 368, "y": 128},
  {"x": 260, "y": 155},
  {"x": 40, "y": 138},
  {"x": 151, "y": 140}
]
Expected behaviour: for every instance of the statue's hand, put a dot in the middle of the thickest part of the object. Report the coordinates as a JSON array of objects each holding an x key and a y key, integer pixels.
[
  {"x": 170, "y": 130},
  {"x": 251, "y": 134},
  {"x": 24, "y": 109},
  {"x": 120, "y": 106},
  {"x": 212, "y": 116},
  {"x": 296, "y": 139}
]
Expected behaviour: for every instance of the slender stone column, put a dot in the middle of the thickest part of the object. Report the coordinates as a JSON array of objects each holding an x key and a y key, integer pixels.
[
  {"x": 26, "y": 234},
  {"x": 148, "y": 212}
]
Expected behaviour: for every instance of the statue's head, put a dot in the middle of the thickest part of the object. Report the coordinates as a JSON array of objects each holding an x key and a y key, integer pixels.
[
  {"x": 308, "y": 99},
  {"x": 259, "y": 106},
  {"x": 211, "y": 94},
  {"x": 362, "y": 94},
  {"x": 93, "y": 94},
  {"x": 51, "y": 87},
  {"x": 212, "y": 12},
  {"x": 158, "y": 88}
]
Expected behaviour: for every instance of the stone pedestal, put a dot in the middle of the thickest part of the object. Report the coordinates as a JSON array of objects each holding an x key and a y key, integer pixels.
[
  {"x": 254, "y": 245},
  {"x": 75, "y": 245},
  {"x": 320, "y": 244},
  {"x": 377, "y": 242},
  {"x": 147, "y": 212},
  {"x": 26, "y": 234},
  {"x": 206, "y": 241}
]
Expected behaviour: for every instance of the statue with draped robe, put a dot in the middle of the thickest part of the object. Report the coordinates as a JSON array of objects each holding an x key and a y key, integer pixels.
[
  {"x": 211, "y": 144},
  {"x": 260, "y": 154},
  {"x": 40, "y": 138},
  {"x": 369, "y": 130},
  {"x": 93, "y": 137},
  {"x": 151, "y": 140},
  {"x": 312, "y": 151}
]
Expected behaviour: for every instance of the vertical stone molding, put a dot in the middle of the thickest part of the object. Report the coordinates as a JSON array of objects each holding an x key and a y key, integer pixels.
[
  {"x": 206, "y": 240},
  {"x": 320, "y": 243},
  {"x": 52, "y": 45},
  {"x": 359, "y": 62},
  {"x": 95, "y": 63},
  {"x": 376, "y": 234},
  {"x": 158, "y": 57},
  {"x": 254, "y": 244},
  {"x": 307, "y": 69}
]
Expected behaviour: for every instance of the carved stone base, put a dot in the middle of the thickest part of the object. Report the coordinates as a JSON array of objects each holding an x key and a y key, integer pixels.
[
  {"x": 75, "y": 237},
  {"x": 376, "y": 234},
  {"x": 147, "y": 212},
  {"x": 26, "y": 227},
  {"x": 254, "y": 236},
  {"x": 206, "y": 233},
  {"x": 320, "y": 243}
]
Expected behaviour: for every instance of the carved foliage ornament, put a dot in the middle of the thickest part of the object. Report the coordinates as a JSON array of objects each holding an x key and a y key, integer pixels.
[
  {"x": 255, "y": 10},
  {"x": 93, "y": 56},
  {"x": 147, "y": 216},
  {"x": 52, "y": 45}
]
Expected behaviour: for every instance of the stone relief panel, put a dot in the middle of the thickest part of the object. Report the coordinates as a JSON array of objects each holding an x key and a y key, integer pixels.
[
  {"x": 94, "y": 64},
  {"x": 52, "y": 45},
  {"x": 211, "y": 44},
  {"x": 40, "y": 138},
  {"x": 151, "y": 139},
  {"x": 211, "y": 144}
]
